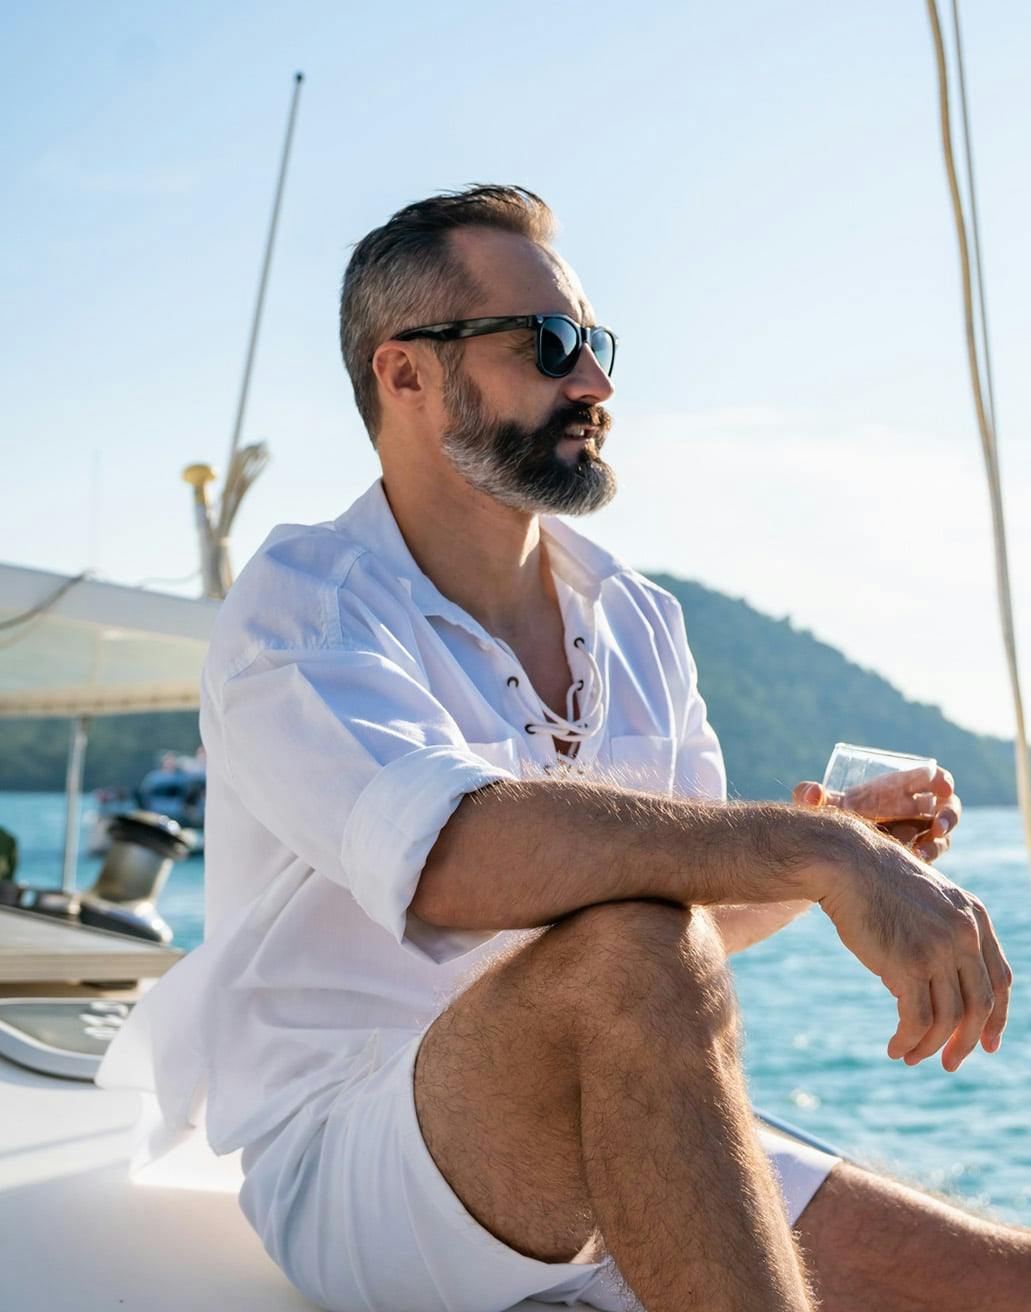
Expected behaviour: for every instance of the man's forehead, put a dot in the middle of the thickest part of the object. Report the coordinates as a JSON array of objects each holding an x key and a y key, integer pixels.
[{"x": 519, "y": 276}]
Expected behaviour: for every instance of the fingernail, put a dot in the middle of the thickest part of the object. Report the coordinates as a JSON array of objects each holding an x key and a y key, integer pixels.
[{"x": 944, "y": 823}]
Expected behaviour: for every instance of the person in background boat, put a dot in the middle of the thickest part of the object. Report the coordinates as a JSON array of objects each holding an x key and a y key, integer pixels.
[
  {"x": 176, "y": 788},
  {"x": 473, "y": 881}
]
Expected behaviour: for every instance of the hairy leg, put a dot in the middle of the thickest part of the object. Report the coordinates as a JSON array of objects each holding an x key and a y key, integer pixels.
[
  {"x": 587, "y": 1091},
  {"x": 872, "y": 1242}
]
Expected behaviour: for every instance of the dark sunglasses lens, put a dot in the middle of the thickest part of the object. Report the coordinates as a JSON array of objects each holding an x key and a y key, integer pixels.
[
  {"x": 603, "y": 344},
  {"x": 560, "y": 344}
]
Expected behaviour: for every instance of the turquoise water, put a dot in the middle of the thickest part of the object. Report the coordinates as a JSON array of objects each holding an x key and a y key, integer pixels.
[{"x": 816, "y": 1023}]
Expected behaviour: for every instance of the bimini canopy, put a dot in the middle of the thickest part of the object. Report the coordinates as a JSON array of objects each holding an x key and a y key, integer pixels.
[{"x": 75, "y": 646}]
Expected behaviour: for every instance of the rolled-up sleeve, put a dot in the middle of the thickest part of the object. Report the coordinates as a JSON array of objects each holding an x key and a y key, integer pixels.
[
  {"x": 390, "y": 831},
  {"x": 349, "y": 760}
]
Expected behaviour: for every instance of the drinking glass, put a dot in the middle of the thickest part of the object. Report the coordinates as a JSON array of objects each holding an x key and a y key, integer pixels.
[{"x": 874, "y": 782}]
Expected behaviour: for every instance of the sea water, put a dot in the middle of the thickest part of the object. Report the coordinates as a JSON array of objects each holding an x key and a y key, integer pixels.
[{"x": 816, "y": 1023}]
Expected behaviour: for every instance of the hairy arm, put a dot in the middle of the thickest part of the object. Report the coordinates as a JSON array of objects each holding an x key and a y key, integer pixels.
[
  {"x": 741, "y": 926},
  {"x": 521, "y": 854}
]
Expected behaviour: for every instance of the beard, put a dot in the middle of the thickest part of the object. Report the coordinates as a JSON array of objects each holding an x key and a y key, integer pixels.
[{"x": 519, "y": 466}]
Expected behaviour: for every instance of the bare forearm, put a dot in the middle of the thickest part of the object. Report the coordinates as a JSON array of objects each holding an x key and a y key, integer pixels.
[
  {"x": 521, "y": 854},
  {"x": 742, "y": 926}
]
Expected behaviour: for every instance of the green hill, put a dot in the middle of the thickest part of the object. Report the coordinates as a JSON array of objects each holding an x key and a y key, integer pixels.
[
  {"x": 121, "y": 749},
  {"x": 778, "y": 699}
]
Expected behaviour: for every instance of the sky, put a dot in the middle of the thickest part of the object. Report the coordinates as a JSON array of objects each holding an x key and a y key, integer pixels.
[{"x": 752, "y": 194}]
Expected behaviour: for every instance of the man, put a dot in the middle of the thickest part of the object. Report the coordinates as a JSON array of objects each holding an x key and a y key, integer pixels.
[{"x": 472, "y": 881}]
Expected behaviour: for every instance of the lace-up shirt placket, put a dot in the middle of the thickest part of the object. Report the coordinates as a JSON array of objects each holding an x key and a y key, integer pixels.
[{"x": 565, "y": 746}]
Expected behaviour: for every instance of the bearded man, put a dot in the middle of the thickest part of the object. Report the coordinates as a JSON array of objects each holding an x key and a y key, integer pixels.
[{"x": 472, "y": 880}]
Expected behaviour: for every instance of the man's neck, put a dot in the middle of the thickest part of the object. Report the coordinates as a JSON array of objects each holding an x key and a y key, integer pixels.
[{"x": 483, "y": 556}]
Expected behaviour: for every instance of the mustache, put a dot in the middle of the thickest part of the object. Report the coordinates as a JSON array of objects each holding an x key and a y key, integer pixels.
[{"x": 587, "y": 416}]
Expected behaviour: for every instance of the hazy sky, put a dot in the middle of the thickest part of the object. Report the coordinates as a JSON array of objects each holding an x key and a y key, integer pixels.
[{"x": 753, "y": 195}]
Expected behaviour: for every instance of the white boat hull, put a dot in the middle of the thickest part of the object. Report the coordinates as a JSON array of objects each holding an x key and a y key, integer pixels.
[{"x": 78, "y": 1235}]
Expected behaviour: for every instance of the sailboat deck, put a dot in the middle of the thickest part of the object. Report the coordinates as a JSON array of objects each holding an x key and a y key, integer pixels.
[
  {"x": 36, "y": 948},
  {"x": 77, "y": 1232}
]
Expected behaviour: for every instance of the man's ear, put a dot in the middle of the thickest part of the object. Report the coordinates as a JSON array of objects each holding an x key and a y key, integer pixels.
[{"x": 397, "y": 366}]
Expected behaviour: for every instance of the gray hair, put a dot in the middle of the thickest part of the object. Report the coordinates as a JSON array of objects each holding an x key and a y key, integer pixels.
[{"x": 406, "y": 273}]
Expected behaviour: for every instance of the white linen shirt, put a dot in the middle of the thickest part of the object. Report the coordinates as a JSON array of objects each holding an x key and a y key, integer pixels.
[{"x": 346, "y": 708}]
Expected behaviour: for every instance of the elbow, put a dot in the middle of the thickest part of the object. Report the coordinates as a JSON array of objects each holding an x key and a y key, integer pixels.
[
  {"x": 428, "y": 902},
  {"x": 433, "y": 898}
]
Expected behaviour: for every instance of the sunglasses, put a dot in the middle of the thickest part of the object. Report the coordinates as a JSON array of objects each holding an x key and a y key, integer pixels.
[{"x": 557, "y": 338}]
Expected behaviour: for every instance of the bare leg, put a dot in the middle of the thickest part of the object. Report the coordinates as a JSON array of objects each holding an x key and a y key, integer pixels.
[
  {"x": 875, "y": 1243},
  {"x": 589, "y": 1085}
]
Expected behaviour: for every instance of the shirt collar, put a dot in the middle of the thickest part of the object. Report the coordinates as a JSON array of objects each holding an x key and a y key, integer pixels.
[
  {"x": 580, "y": 562},
  {"x": 574, "y": 558}
]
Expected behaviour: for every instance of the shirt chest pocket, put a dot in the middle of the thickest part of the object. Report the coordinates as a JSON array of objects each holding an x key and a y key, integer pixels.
[{"x": 643, "y": 761}]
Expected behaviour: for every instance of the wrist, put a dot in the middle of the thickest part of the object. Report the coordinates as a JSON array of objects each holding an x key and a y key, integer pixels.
[{"x": 819, "y": 848}]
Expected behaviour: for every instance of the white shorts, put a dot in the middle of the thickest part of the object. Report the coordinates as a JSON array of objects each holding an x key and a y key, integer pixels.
[{"x": 349, "y": 1203}]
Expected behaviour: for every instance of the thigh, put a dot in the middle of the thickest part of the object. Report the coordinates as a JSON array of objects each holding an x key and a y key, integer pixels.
[
  {"x": 497, "y": 1101},
  {"x": 497, "y": 1079},
  {"x": 873, "y": 1242}
]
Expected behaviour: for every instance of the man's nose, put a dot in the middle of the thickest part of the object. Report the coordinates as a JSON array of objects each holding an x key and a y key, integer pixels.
[{"x": 588, "y": 381}]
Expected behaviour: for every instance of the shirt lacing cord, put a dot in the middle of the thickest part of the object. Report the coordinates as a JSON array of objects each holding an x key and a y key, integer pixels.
[{"x": 565, "y": 728}]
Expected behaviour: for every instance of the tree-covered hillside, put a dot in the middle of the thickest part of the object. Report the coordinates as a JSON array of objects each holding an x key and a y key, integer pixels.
[
  {"x": 778, "y": 699},
  {"x": 121, "y": 749}
]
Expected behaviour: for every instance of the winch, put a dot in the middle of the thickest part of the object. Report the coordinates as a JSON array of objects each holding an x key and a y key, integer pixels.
[{"x": 144, "y": 846}]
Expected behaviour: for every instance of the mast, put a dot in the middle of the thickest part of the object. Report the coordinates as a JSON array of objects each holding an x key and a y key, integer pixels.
[
  {"x": 244, "y": 464},
  {"x": 263, "y": 280}
]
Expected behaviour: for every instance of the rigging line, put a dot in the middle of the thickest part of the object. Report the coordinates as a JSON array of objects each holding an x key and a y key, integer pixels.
[
  {"x": 973, "y": 361},
  {"x": 985, "y": 418},
  {"x": 47, "y": 602},
  {"x": 266, "y": 265},
  {"x": 968, "y": 152}
]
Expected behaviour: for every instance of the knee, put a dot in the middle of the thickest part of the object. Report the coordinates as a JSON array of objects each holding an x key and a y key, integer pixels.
[{"x": 644, "y": 961}]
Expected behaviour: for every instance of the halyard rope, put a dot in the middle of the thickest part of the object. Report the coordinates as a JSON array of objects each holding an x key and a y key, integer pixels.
[{"x": 984, "y": 406}]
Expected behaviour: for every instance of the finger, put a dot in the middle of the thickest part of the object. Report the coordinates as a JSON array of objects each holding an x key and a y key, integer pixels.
[
  {"x": 886, "y": 799},
  {"x": 1001, "y": 977},
  {"x": 808, "y": 793},
  {"x": 942, "y": 784},
  {"x": 916, "y": 1015},
  {"x": 949, "y": 1009},
  {"x": 979, "y": 1001},
  {"x": 947, "y": 818},
  {"x": 909, "y": 806},
  {"x": 930, "y": 849},
  {"x": 916, "y": 779}
]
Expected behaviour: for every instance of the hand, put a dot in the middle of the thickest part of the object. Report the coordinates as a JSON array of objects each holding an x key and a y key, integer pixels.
[
  {"x": 917, "y": 808},
  {"x": 931, "y": 943},
  {"x": 931, "y": 841}
]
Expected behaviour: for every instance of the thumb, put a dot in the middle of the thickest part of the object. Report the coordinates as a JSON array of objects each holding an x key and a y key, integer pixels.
[{"x": 808, "y": 793}]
